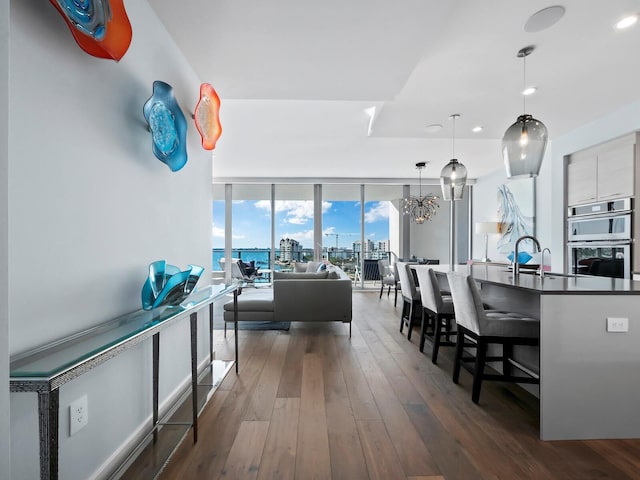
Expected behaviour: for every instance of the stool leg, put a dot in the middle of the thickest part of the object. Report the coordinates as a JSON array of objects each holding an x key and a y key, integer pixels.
[
  {"x": 423, "y": 330},
  {"x": 436, "y": 339},
  {"x": 507, "y": 353},
  {"x": 410, "y": 324},
  {"x": 481, "y": 355},
  {"x": 458, "y": 357}
]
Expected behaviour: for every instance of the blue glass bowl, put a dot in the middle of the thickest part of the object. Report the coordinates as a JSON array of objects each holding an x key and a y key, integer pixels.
[{"x": 166, "y": 285}]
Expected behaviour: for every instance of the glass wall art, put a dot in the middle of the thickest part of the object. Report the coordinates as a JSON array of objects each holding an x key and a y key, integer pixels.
[
  {"x": 516, "y": 212},
  {"x": 167, "y": 285},
  {"x": 207, "y": 116},
  {"x": 100, "y": 27},
  {"x": 168, "y": 126}
]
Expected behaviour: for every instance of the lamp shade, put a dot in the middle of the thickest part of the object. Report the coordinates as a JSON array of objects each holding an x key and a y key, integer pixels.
[
  {"x": 487, "y": 228},
  {"x": 523, "y": 147},
  {"x": 452, "y": 180}
]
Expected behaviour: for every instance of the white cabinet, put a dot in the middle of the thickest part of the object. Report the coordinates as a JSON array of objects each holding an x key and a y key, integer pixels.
[
  {"x": 615, "y": 173},
  {"x": 581, "y": 183},
  {"x": 605, "y": 172}
]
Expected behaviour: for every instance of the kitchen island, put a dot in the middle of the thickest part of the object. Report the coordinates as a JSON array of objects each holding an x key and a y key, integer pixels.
[{"x": 589, "y": 373}]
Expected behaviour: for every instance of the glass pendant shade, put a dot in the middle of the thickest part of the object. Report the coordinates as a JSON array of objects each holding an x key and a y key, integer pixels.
[
  {"x": 453, "y": 179},
  {"x": 523, "y": 147}
]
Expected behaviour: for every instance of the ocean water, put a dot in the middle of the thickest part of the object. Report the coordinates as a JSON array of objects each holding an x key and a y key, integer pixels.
[{"x": 259, "y": 255}]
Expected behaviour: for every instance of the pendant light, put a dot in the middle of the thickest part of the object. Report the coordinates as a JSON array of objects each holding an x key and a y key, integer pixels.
[
  {"x": 454, "y": 174},
  {"x": 452, "y": 180},
  {"x": 420, "y": 208},
  {"x": 525, "y": 141}
]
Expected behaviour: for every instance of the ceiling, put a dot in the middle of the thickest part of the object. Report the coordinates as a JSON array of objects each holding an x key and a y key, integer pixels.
[{"x": 296, "y": 79}]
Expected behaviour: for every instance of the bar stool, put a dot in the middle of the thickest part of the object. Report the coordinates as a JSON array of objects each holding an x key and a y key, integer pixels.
[
  {"x": 437, "y": 312},
  {"x": 410, "y": 297},
  {"x": 483, "y": 328}
]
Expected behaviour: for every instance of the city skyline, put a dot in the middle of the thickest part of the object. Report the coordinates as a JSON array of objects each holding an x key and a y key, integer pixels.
[{"x": 294, "y": 219}]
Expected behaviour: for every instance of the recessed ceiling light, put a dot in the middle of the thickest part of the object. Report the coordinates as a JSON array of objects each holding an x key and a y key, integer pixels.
[
  {"x": 543, "y": 19},
  {"x": 477, "y": 129},
  {"x": 433, "y": 128},
  {"x": 529, "y": 90},
  {"x": 627, "y": 21}
]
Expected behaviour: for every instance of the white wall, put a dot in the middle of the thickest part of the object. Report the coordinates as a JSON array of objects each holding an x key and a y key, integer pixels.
[
  {"x": 5, "y": 439},
  {"x": 89, "y": 208}
]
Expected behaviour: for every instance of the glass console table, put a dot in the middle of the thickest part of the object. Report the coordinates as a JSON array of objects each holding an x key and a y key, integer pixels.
[{"x": 45, "y": 369}]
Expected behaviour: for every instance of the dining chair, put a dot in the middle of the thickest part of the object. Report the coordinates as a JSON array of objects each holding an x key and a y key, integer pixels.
[{"x": 387, "y": 278}]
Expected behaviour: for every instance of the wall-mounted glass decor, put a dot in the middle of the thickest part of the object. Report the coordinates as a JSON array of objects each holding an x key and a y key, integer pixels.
[
  {"x": 207, "y": 116},
  {"x": 166, "y": 285},
  {"x": 516, "y": 212},
  {"x": 168, "y": 126},
  {"x": 100, "y": 27}
]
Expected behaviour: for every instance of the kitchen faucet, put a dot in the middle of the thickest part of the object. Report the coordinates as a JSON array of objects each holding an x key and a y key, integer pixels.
[
  {"x": 542, "y": 261},
  {"x": 516, "y": 264}
]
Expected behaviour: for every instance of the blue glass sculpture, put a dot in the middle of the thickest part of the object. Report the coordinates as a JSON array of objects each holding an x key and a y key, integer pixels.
[
  {"x": 166, "y": 285},
  {"x": 168, "y": 126}
]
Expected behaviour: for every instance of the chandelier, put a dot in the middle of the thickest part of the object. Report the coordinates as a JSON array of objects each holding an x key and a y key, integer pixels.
[{"x": 422, "y": 207}]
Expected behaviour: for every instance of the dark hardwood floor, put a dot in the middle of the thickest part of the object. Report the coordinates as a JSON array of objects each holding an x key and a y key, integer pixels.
[{"x": 313, "y": 404}]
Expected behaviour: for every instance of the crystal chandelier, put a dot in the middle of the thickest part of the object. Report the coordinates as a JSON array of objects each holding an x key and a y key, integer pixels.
[
  {"x": 422, "y": 207},
  {"x": 525, "y": 141}
]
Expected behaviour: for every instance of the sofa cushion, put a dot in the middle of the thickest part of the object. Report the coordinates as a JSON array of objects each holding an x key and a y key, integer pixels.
[
  {"x": 293, "y": 275},
  {"x": 251, "y": 305}
]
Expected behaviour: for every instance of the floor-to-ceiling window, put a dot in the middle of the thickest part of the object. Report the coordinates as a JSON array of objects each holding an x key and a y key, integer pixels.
[
  {"x": 294, "y": 225},
  {"x": 341, "y": 226}
]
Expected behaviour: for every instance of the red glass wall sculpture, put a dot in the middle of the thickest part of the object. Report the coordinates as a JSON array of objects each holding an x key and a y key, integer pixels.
[
  {"x": 207, "y": 116},
  {"x": 100, "y": 27}
]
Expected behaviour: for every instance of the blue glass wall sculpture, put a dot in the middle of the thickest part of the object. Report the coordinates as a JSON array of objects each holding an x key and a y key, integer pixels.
[
  {"x": 168, "y": 126},
  {"x": 166, "y": 285}
]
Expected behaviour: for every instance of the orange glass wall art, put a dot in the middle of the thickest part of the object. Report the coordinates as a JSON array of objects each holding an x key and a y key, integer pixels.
[
  {"x": 100, "y": 27},
  {"x": 207, "y": 116}
]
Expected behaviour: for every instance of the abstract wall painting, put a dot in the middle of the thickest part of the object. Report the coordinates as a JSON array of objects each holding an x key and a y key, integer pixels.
[
  {"x": 516, "y": 212},
  {"x": 100, "y": 27},
  {"x": 207, "y": 116},
  {"x": 168, "y": 126}
]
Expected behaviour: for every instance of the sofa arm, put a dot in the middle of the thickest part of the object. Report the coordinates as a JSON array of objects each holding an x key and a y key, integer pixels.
[{"x": 307, "y": 300}]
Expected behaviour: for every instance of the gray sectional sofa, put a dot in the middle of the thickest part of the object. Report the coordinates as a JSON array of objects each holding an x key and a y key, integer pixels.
[{"x": 309, "y": 296}]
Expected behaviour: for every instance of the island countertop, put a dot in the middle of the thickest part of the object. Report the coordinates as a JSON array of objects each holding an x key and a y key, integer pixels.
[{"x": 551, "y": 283}]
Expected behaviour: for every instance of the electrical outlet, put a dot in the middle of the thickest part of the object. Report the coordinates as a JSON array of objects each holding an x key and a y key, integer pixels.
[
  {"x": 617, "y": 324},
  {"x": 78, "y": 415}
]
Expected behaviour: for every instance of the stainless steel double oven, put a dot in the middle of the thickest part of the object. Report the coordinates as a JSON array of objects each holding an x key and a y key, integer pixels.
[{"x": 599, "y": 237}]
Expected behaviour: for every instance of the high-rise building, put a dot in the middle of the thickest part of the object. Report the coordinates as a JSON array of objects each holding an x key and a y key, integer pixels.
[{"x": 290, "y": 250}]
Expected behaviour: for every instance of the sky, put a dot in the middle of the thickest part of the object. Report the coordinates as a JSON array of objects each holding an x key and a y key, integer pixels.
[{"x": 294, "y": 219}]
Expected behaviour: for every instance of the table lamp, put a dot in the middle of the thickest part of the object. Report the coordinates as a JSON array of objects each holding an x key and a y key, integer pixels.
[{"x": 487, "y": 228}]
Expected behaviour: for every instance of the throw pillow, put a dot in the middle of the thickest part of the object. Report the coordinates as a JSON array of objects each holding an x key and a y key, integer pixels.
[{"x": 322, "y": 267}]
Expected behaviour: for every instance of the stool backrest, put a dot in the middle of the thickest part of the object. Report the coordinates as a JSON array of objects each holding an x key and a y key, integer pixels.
[
  {"x": 384, "y": 269},
  {"x": 430, "y": 294},
  {"x": 407, "y": 283},
  {"x": 467, "y": 302}
]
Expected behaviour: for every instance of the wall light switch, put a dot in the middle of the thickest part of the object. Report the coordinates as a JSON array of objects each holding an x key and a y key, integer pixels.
[{"x": 617, "y": 324}]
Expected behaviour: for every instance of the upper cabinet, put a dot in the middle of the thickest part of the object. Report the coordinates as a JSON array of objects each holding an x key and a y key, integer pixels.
[{"x": 604, "y": 172}]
